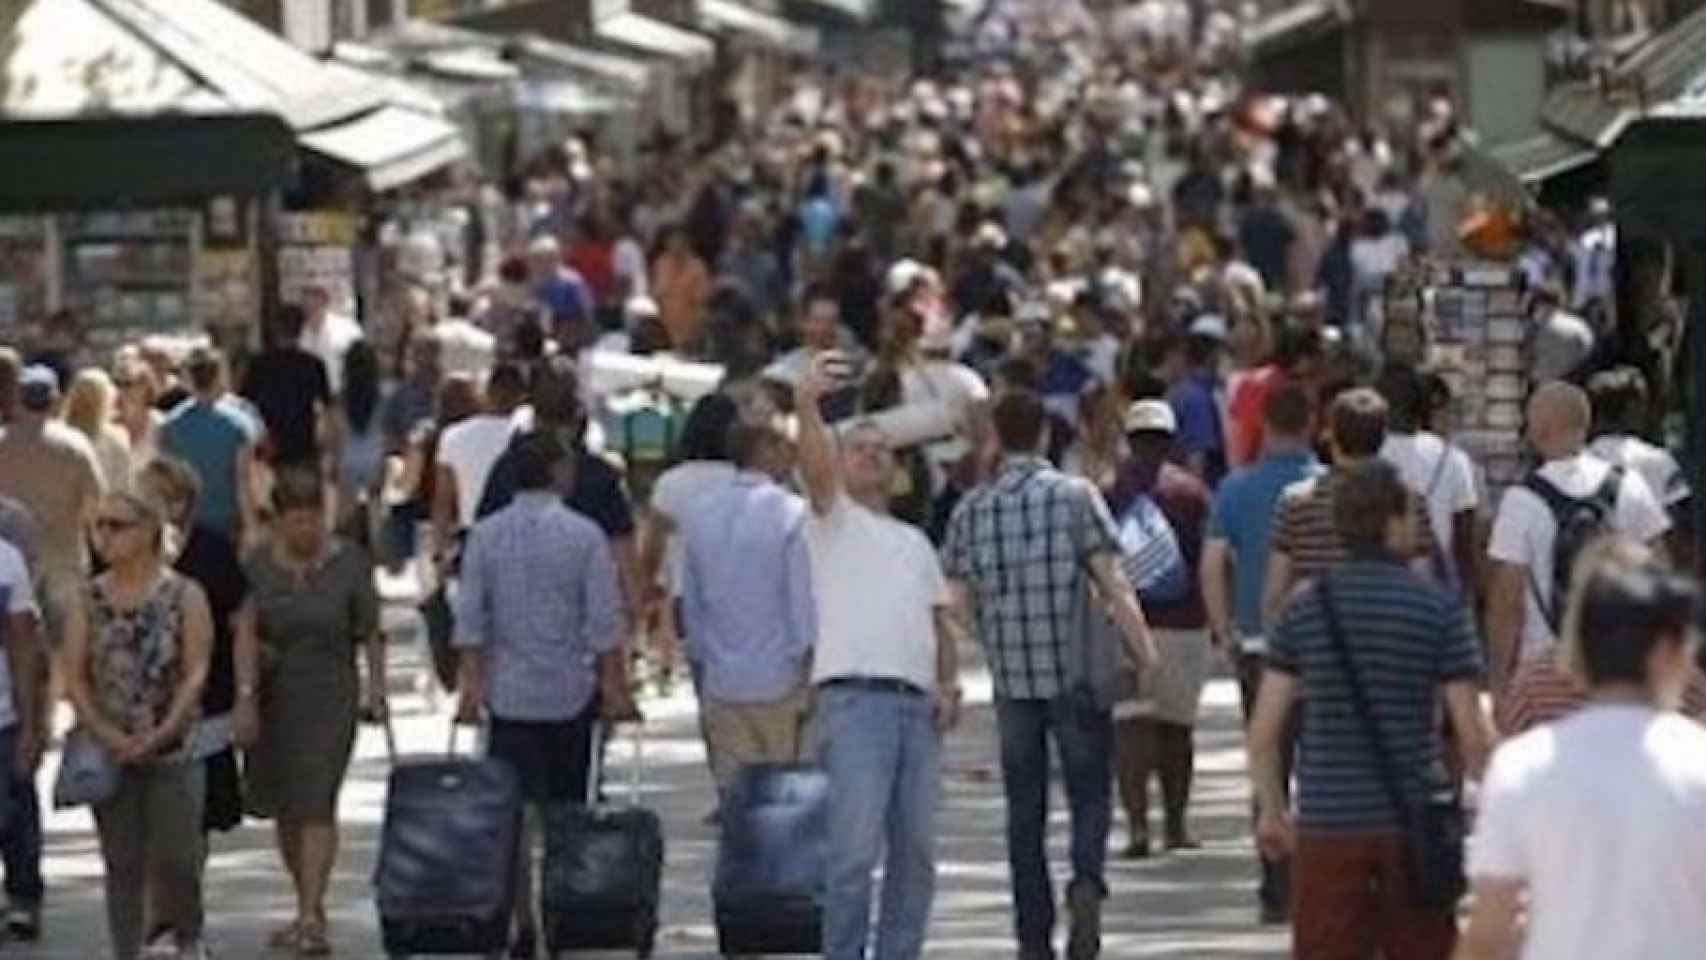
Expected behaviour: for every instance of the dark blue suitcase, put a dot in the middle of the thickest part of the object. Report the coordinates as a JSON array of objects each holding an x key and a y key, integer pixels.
[
  {"x": 445, "y": 880},
  {"x": 770, "y": 879}
]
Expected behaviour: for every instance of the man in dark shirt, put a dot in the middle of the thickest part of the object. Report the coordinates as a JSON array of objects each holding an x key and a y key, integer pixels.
[
  {"x": 591, "y": 486},
  {"x": 290, "y": 388},
  {"x": 1266, "y": 237},
  {"x": 1154, "y": 735}
]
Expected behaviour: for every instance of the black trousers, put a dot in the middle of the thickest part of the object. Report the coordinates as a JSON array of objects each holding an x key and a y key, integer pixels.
[{"x": 552, "y": 758}]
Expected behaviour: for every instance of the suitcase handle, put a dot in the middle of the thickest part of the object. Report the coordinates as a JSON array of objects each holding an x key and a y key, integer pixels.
[
  {"x": 600, "y": 733},
  {"x": 391, "y": 739}
]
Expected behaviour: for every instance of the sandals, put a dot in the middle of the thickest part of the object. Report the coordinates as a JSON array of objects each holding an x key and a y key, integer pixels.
[
  {"x": 285, "y": 937},
  {"x": 312, "y": 941}
]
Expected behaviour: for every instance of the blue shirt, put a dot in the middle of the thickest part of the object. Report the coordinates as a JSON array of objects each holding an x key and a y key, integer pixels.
[
  {"x": 746, "y": 592},
  {"x": 1243, "y": 516},
  {"x": 211, "y": 438},
  {"x": 539, "y": 595},
  {"x": 1195, "y": 404},
  {"x": 566, "y": 295},
  {"x": 1407, "y": 639},
  {"x": 818, "y": 222}
]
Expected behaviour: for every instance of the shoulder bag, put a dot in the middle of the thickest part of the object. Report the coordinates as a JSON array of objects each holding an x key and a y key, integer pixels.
[{"x": 1434, "y": 826}]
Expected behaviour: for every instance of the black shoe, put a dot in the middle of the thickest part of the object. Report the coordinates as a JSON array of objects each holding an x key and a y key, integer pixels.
[
  {"x": 523, "y": 946},
  {"x": 1274, "y": 915},
  {"x": 1182, "y": 841},
  {"x": 23, "y": 921},
  {"x": 1084, "y": 902},
  {"x": 1137, "y": 848}
]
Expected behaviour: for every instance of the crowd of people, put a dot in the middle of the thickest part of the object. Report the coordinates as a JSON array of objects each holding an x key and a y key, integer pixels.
[{"x": 1075, "y": 350}]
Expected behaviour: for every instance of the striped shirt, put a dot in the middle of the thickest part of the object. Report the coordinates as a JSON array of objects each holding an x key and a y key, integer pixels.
[
  {"x": 1542, "y": 691},
  {"x": 1408, "y": 639},
  {"x": 1022, "y": 543},
  {"x": 1304, "y": 531}
]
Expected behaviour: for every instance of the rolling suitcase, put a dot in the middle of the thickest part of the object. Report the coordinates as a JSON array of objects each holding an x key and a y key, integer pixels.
[
  {"x": 770, "y": 878},
  {"x": 603, "y": 872},
  {"x": 445, "y": 880}
]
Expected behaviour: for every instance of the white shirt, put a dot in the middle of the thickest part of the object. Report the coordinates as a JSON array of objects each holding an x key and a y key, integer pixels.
[
  {"x": 673, "y": 496},
  {"x": 330, "y": 341},
  {"x": 1599, "y": 814},
  {"x": 878, "y": 583},
  {"x": 940, "y": 381},
  {"x": 464, "y": 348},
  {"x": 1524, "y": 531},
  {"x": 1595, "y": 255},
  {"x": 628, "y": 261},
  {"x": 18, "y": 596},
  {"x": 1655, "y": 464},
  {"x": 1442, "y": 475},
  {"x": 470, "y": 449}
]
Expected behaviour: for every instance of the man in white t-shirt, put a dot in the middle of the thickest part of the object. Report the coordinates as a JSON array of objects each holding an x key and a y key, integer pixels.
[
  {"x": 1596, "y": 817},
  {"x": 1619, "y": 405},
  {"x": 1521, "y": 607},
  {"x": 467, "y": 451},
  {"x": 887, "y": 681},
  {"x": 327, "y": 334},
  {"x": 1434, "y": 470}
]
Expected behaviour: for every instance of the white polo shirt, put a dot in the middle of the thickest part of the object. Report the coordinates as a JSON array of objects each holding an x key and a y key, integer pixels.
[{"x": 878, "y": 584}]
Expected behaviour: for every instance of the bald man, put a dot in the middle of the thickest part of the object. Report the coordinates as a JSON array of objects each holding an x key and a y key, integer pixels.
[{"x": 1521, "y": 607}]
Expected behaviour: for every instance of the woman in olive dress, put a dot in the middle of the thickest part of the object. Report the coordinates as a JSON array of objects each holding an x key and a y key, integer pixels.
[{"x": 314, "y": 604}]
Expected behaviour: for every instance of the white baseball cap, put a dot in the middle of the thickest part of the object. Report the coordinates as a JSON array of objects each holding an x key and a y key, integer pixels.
[
  {"x": 1211, "y": 325},
  {"x": 1151, "y": 416}
]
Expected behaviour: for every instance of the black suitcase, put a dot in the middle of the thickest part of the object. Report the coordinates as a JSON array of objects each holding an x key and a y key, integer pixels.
[
  {"x": 769, "y": 888},
  {"x": 445, "y": 880},
  {"x": 603, "y": 873}
]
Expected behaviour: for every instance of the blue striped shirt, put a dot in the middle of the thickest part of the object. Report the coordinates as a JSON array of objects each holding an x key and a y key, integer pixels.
[
  {"x": 539, "y": 595},
  {"x": 1408, "y": 639}
]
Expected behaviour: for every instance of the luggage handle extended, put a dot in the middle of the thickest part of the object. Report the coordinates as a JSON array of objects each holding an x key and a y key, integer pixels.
[
  {"x": 391, "y": 738},
  {"x": 600, "y": 732}
]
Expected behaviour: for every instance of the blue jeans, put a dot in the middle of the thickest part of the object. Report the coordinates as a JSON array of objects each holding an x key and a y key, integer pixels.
[
  {"x": 20, "y": 828},
  {"x": 883, "y": 756},
  {"x": 1084, "y": 735}
]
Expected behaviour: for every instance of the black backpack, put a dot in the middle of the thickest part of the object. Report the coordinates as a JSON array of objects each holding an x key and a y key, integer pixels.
[{"x": 1580, "y": 522}]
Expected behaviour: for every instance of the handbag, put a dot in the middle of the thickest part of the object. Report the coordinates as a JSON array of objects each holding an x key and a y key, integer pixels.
[
  {"x": 1434, "y": 826},
  {"x": 87, "y": 773}
]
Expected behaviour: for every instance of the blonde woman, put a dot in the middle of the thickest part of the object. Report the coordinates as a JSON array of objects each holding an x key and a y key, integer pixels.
[
  {"x": 89, "y": 408},
  {"x": 136, "y": 659},
  {"x": 137, "y": 392}
]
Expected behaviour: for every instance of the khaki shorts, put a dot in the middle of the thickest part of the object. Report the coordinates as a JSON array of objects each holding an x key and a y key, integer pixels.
[{"x": 743, "y": 733}]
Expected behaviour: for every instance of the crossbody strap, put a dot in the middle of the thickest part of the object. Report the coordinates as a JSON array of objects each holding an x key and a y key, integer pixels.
[{"x": 1365, "y": 711}]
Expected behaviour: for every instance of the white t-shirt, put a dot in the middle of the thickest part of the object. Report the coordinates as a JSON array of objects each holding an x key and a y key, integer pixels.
[
  {"x": 1448, "y": 485},
  {"x": 1599, "y": 814},
  {"x": 17, "y": 595},
  {"x": 330, "y": 341},
  {"x": 628, "y": 261},
  {"x": 470, "y": 449},
  {"x": 940, "y": 381},
  {"x": 888, "y": 632},
  {"x": 673, "y": 495},
  {"x": 464, "y": 348},
  {"x": 1524, "y": 530},
  {"x": 1655, "y": 464}
]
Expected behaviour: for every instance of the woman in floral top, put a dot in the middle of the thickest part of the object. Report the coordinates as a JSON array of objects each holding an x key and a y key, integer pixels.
[{"x": 136, "y": 659}]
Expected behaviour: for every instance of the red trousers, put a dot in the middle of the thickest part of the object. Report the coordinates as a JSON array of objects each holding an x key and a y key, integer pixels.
[{"x": 1351, "y": 897}]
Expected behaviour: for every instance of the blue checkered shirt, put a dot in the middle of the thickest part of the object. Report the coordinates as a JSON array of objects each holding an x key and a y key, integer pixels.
[
  {"x": 1022, "y": 544},
  {"x": 539, "y": 595}
]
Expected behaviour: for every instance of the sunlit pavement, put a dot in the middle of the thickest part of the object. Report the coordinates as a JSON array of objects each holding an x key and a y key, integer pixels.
[{"x": 1199, "y": 904}]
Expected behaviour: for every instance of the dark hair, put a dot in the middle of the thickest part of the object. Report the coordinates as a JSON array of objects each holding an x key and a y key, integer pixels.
[
  {"x": 1406, "y": 396},
  {"x": 814, "y": 291},
  {"x": 1295, "y": 345},
  {"x": 555, "y": 389},
  {"x": 1287, "y": 410},
  {"x": 880, "y": 390},
  {"x": 298, "y": 488},
  {"x": 1020, "y": 420},
  {"x": 534, "y": 458},
  {"x": 747, "y": 443},
  {"x": 287, "y": 323},
  {"x": 1020, "y": 373},
  {"x": 203, "y": 365},
  {"x": 1359, "y": 422},
  {"x": 361, "y": 385},
  {"x": 1366, "y": 495},
  {"x": 1619, "y": 399},
  {"x": 507, "y": 381},
  {"x": 705, "y": 434},
  {"x": 1200, "y": 350},
  {"x": 529, "y": 337},
  {"x": 513, "y": 270},
  {"x": 1625, "y": 602}
]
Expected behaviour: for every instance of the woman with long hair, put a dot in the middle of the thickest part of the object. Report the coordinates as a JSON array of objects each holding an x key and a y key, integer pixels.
[
  {"x": 136, "y": 660},
  {"x": 137, "y": 392},
  {"x": 315, "y": 605},
  {"x": 361, "y": 463},
  {"x": 89, "y": 409}
]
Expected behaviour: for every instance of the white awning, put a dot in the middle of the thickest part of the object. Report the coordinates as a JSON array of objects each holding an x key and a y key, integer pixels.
[
  {"x": 563, "y": 96},
  {"x": 391, "y": 145},
  {"x": 761, "y": 26},
  {"x": 659, "y": 38}
]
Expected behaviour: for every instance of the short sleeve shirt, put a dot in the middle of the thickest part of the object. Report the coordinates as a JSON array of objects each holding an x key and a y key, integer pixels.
[
  {"x": 1407, "y": 639},
  {"x": 1243, "y": 516},
  {"x": 1304, "y": 531},
  {"x": 286, "y": 385},
  {"x": 1022, "y": 544}
]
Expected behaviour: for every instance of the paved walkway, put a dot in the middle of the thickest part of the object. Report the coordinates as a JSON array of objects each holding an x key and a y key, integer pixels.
[{"x": 1194, "y": 905}]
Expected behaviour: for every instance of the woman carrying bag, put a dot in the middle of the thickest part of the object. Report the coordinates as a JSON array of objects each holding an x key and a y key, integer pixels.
[{"x": 136, "y": 659}]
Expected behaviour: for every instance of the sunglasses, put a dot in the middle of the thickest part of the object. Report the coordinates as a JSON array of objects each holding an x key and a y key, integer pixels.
[{"x": 112, "y": 525}]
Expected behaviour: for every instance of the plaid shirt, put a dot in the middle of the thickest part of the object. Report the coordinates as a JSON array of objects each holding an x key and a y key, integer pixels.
[{"x": 1022, "y": 543}]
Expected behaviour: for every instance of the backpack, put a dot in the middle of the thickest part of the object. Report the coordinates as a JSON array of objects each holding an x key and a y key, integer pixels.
[
  {"x": 1150, "y": 553},
  {"x": 1580, "y": 522}
]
